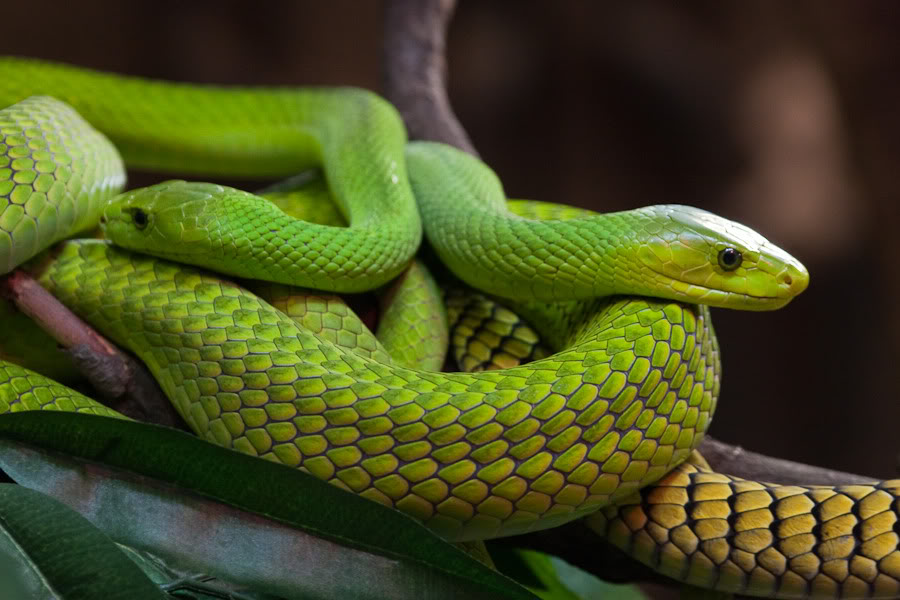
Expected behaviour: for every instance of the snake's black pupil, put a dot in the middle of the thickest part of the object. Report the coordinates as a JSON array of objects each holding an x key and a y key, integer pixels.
[
  {"x": 729, "y": 259},
  {"x": 140, "y": 218}
]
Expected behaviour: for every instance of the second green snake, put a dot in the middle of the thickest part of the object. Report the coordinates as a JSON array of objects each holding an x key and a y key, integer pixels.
[{"x": 472, "y": 455}]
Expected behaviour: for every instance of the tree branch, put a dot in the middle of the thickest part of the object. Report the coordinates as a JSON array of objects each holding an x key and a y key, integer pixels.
[
  {"x": 734, "y": 460},
  {"x": 415, "y": 71},
  {"x": 117, "y": 377}
]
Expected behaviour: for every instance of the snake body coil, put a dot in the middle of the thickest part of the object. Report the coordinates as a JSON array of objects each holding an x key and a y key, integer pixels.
[
  {"x": 356, "y": 136},
  {"x": 473, "y": 455}
]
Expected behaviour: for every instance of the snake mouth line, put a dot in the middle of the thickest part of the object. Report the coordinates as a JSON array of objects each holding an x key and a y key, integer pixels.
[
  {"x": 735, "y": 300},
  {"x": 717, "y": 298}
]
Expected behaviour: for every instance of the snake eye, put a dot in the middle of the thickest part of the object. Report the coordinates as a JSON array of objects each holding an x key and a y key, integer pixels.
[
  {"x": 730, "y": 259},
  {"x": 140, "y": 219}
]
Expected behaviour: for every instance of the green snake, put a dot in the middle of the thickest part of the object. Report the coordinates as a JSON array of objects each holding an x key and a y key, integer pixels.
[{"x": 582, "y": 432}]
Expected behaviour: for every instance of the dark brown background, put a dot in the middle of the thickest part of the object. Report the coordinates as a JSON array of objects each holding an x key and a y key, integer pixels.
[{"x": 783, "y": 115}]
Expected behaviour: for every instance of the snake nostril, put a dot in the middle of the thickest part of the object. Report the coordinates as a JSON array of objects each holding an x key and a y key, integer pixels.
[{"x": 788, "y": 280}]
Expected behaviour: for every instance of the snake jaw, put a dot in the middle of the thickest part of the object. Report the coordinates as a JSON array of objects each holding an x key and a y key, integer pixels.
[
  {"x": 723, "y": 299},
  {"x": 754, "y": 288}
]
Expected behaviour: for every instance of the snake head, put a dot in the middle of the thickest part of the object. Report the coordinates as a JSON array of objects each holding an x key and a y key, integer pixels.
[
  {"x": 169, "y": 219},
  {"x": 707, "y": 259}
]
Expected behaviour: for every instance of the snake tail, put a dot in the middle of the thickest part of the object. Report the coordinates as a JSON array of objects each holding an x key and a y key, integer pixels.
[{"x": 747, "y": 537}]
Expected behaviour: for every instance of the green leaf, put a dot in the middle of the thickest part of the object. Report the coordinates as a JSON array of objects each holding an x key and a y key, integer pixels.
[
  {"x": 586, "y": 585},
  {"x": 196, "y": 586},
  {"x": 246, "y": 520},
  {"x": 552, "y": 578},
  {"x": 49, "y": 551},
  {"x": 690, "y": 592}
]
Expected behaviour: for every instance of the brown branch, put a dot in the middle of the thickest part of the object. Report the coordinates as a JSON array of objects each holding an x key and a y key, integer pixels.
[
  {"x": 415, "y": 71},
  {"x": 123, "y": 382},
  {"x": 38, "y": 304},
  {"x": 734, "y": 460}
]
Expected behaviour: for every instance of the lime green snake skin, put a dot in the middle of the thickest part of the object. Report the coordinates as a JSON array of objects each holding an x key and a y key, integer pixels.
[
  {"x": 363, "y": 161},
  {"x": 582, "y": 432}
]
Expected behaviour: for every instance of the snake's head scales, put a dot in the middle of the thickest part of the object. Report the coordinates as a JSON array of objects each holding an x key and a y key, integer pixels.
[
  {"x": 707, "y": 259},
  {"x": 169, "y": 219}
]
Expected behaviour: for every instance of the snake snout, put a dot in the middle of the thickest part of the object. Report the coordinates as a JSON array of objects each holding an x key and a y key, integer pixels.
[{"x": 793, "y": 281}]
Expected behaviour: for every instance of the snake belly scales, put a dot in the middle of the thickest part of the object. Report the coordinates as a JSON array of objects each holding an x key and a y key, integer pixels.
[{"x": 583, "y": 432}]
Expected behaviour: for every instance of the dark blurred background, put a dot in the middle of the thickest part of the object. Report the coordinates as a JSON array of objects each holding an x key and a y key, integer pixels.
[{"x": 782, "y": 115}]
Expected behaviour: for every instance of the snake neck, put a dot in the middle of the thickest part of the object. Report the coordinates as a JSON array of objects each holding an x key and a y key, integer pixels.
[
  {"x": 664, "y": 251},
  {"x": 241, "y": 234},
  {"x": 463, "y": 208}
]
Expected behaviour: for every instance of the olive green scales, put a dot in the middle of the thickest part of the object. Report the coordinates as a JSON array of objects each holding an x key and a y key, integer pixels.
[{"x": 472, "y": 455}]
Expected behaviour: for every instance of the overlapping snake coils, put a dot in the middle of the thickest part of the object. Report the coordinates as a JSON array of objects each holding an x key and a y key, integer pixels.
[
  {"x": 784, "y": 541},
  {"x": 471, "y": 455},
  {"x": 56, "y": 175},
  {"x": 487, "y": 336},
  {"x": 356, "y": 136},
  {"x": 413, "y": 320}
]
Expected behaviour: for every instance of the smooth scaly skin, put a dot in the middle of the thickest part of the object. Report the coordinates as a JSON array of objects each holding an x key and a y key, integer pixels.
[
  {"x": 164, "y": 302},
  {"x": 326, "y": 315},
  {"x": 356, "y": 136},
  {"x": 721, "y": 532},
  {"x": 747, "y": 537},
  {"x": 412, "y": 324},
  {"x": 237, "y": 233},
  {"x": 472, "y": 455},
  {"x": 485, "y": 335},
  {"x": 56, "y": 176},
  {"x": 413, "y": 321},
  {"x": 665, "y": 251},
  {"x": 21, "y": 389}
]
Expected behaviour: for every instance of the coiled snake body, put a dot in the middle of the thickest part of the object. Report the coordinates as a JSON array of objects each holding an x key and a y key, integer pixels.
[{"x": 473, "y": 455}]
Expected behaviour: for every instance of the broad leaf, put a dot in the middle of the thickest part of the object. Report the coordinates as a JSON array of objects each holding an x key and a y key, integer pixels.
[
  {"x": 195, "y": 586},
  {"x": 48, "y": 551},
  {"x": 246, "y": 520}
]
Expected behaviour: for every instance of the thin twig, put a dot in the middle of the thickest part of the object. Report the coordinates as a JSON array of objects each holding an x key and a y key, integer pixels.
[
  {"x": 734, "y": 460},
  {"x": 123, "y": 382}
]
